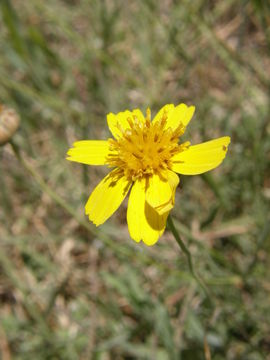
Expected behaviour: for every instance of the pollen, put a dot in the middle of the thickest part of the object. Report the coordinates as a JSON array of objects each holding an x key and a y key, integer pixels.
[{"x": 145, "y": 148}]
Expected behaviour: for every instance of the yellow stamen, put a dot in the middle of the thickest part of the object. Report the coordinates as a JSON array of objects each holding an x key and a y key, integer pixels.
[{"x": 145, "y": 149}]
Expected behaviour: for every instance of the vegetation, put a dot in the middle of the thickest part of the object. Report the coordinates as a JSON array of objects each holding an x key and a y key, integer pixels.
[{"x": 69, "y": 290}]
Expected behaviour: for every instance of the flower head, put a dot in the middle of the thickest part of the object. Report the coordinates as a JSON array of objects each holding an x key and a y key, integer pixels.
[{"x": 145, "y": 156}]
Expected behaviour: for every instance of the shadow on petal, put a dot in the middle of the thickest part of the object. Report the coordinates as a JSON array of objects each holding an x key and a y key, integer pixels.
[{"x": 156, "y": 221}]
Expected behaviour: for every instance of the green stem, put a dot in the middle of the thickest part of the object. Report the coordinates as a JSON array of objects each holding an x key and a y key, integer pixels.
[{"x": 188, "y": 255}]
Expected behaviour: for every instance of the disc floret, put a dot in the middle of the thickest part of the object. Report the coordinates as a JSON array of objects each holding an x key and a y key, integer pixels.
[{"x": 146, "y": 147}]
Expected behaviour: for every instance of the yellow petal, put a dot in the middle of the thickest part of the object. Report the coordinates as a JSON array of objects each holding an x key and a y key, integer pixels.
[
  {"x": 144, "y": 223},
  {"x": 139, "y": 115},
  {"x": 173, "y": 180},
  {"x": 200, "y": 158},
  {"x": 176, "y": 115},
  {"x": 91, "y": 152},
  {"x": 181, "y": 114},
  {"x": 119, "y": 122},
  {"x": 107, "y": 197},
  {"x": 165, "y": 109},
  {"x": 160, "y": 192}
]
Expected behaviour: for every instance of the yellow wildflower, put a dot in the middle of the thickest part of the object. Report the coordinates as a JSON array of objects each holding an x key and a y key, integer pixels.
[{"x": 145, "y": 156}]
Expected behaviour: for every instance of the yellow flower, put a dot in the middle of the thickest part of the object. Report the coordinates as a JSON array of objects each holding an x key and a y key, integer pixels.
[{"x": 145, "y": 156}]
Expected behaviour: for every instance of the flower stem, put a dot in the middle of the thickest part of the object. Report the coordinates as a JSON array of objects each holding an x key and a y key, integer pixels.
[{"x": 188, "y": 255}]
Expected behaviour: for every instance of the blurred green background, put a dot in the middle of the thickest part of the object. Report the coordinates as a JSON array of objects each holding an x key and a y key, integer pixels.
[{"x": 71, "y": 291}]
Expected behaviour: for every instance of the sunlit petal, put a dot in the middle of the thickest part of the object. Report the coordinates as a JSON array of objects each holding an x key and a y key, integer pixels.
[
  {"x": 90, "y": 152},
  {"x": 200, "y": 158},
  {"x": 181, "y": 115},
  {"x": 166, "y": 109},
  {"x": 107, "y": 197},
  {"x": 120, "y": 122}
]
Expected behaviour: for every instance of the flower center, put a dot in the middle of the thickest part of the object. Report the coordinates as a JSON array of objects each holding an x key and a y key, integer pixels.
[{"x": 145, "y": 148}]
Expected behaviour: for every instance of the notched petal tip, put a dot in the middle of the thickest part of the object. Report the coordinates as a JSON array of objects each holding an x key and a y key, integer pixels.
[
  {"x": 200, "y": 158},
  {"x": 89, "y": 152},
  {"x": 69, "y": 152},
  {"x": 227, "y": 140},
  {"x": 91, "y": 219}
]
